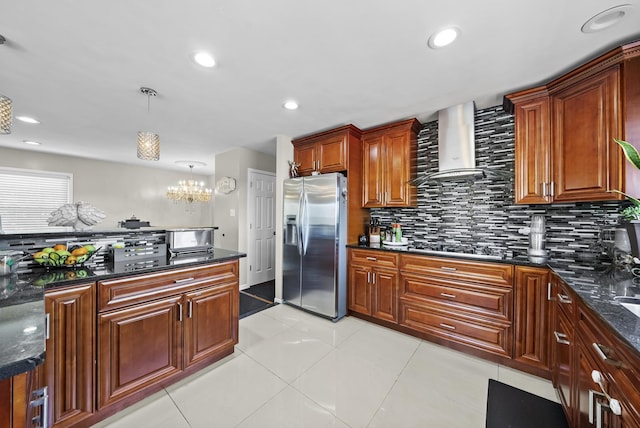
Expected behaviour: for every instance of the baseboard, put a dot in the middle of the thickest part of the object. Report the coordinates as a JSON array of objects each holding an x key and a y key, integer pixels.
[{"x": 278, "y": 300}]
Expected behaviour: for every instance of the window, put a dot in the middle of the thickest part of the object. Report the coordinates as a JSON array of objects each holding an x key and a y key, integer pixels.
[{"x": 27, "y": 198}]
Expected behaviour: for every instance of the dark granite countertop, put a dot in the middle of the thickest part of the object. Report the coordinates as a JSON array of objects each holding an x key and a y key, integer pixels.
[
  {"x": 596, "y": 283},
  {"x": 22, "y": 316},
  {"x": 22, "y": 326}
]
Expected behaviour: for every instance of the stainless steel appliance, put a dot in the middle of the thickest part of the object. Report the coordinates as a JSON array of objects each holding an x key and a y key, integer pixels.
[
  {"x": 192, "y": 240},
  {"x": 314, "y": 255}
]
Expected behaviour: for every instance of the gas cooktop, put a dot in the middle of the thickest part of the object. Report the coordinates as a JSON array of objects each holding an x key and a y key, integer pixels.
[{"x": 457, "y": 250}]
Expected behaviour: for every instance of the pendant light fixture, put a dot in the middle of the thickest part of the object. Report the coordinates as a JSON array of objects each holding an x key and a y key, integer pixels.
[
  {"x": 148, "y": 142},
  {"x": 6, "y": 115}
]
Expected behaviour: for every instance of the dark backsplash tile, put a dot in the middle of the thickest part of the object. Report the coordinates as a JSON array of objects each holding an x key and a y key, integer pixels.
[{"x": 483, "y": 212}]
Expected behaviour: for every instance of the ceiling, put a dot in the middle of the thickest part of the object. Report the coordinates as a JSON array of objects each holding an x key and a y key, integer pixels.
[{"x": 77, "y": 66}]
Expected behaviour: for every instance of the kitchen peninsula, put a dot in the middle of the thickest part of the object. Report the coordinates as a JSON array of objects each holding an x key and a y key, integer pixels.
[{"x": 115, "y": 332}]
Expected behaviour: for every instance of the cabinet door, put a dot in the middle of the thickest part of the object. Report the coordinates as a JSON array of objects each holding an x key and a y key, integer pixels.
[
  {"x": 531, "y": 317},
  {"x": 305, "y": 155},
  {"x": 69, "y": 367},
  {"x": 586, "y": 118},
  {"x": 211, "y": 322},
  {"x": 138, "y": 346},
  {"x": 532, "y": 152},
  {"x": 332, "y": 154},
  {"x": 397, "y": 170},
  {"x": 384, "y": 300},
  {"x": 561, "y": 360},
  {"x": 359, "y": 290},
  {"x": 372, "y": 171}
]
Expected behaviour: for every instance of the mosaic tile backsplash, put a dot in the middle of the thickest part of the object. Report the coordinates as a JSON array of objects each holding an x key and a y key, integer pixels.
[{"x": 482, "y": 212}]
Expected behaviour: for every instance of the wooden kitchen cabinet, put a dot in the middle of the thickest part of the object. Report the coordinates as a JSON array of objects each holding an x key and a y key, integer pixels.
[
  {"x": 581, "y": 343},
  {"x": 153, "y": 328},
  {"x": 460, "y": 302},
  {"x": 532, "y": 317},
  {"x": 533, "y": 147},
  {"x": 210, "y": 325},
  {"x": 372, "y": 285},
  {"x": 69, "y": 369},
  {"x": 587, "y": 163},
  {"x": 139, "y": 346},
  {"x": 328, "y": 151},
  {"x": 562, "y": 343},
  {"x": 564, "y": 131},
  {"x": 388, "y": 164}
]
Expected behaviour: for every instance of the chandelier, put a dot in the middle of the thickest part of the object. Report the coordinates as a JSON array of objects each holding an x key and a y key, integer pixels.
[{"x": 190, "y": 190}]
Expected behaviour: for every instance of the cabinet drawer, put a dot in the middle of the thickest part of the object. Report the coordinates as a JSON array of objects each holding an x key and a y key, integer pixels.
[
  {"x": 120, "y": 292},
  {"x": 489, "y": 301},
  {"x": 482, "y": 272},
  {"x": 564, "y": 298},
  {"x": 374, "y": 258},
  {"x": 619, "y": 368},
  {"x": 482, "y": 335}
]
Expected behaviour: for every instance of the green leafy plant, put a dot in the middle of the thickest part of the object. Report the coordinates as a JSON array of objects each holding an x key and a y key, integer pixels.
[{"x": 632, "y": 155}]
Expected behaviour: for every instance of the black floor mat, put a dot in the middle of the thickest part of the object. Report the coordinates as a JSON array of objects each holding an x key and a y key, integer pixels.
[
  {"x": 250, "y": 305},
  {"x": 266, "y": 290},
  {"x": 509, "y": 407}
]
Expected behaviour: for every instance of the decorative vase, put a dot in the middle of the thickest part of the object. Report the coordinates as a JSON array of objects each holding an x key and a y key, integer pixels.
[{"x": 633, "y": 230}]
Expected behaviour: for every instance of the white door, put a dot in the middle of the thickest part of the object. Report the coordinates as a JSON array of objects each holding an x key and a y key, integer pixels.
[{"x": 262, "y": 229}]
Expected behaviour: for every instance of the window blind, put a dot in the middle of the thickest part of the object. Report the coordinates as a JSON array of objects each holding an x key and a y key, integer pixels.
[{"x": 27, "y": 198}]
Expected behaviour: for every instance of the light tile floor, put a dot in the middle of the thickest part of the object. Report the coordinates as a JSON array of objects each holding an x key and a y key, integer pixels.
[{"x": 293, "y": 369}]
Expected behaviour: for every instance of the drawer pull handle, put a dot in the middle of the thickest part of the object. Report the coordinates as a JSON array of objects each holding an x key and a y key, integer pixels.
[
  {"x": 373, "y": 259},
  {"x": 178, "y": 281},
  {"x": 190, "y": 309},
  {"x": 451, "y": 296},
  {"x": 449, "y": 269},
  {"x": 549, "y": 287},
  {"x": 563, "y": 298},
  {"x": 561, "y": 338},
  {"x": 602, "y": 351},
  {"x": 447, "y": 326},
  {"x": 179, "y": 311}
]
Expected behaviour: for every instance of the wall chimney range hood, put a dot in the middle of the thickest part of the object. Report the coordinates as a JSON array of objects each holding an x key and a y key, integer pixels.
[{"x": 456, "y": 147}]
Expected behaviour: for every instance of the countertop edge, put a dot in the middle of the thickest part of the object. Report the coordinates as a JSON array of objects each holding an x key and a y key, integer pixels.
[{"x": 22, "y": 366}]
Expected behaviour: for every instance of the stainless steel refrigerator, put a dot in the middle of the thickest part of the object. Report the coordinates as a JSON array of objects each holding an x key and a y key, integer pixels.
[{"x": 314, "y": 255}]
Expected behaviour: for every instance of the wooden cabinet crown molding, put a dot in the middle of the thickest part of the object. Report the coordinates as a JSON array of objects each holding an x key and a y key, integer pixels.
[{"x": 346, "y": 129}]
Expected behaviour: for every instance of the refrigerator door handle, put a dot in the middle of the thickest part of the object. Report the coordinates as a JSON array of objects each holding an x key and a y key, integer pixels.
[
  {"x": 305, "y": 224},
  {"x": 299, "y": 224}
]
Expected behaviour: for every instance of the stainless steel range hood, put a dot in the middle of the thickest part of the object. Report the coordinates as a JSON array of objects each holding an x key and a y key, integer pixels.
[{"x": 456, "y": 146}]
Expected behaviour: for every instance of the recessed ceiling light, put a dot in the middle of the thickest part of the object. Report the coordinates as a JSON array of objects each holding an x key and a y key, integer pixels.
[
  {"x": 290, "y": 105},
  {"x": 27, "y": 119},
  {"x": 443, "y": 37},
  {"x": 204, "y": 59},
  {"x": 606, "y": 18},
  {"x": 31, "y": 143}
]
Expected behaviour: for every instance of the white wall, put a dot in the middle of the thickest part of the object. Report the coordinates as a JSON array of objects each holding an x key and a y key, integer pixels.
[
  {"x": 284, "y": 154},
  {"x": 230, "y": 211},
  {"x": 120, "y": 190}
]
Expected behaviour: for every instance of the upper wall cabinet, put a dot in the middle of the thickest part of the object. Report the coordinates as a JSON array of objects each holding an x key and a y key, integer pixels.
[
  {"x": 564, "y": 132},
  {"x": 326, "y": 152},
  {"x": 388, "y": 163}
]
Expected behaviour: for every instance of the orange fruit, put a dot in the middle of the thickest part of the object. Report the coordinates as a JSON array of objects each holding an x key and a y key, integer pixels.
[
  {"x": 59, "y": 247},
  {"x": 79, "y": 251},
  {"x": 71, "y": 260}
]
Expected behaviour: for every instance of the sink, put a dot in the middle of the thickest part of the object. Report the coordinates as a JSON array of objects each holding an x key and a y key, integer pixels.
[{"x": 630, "y": 303}]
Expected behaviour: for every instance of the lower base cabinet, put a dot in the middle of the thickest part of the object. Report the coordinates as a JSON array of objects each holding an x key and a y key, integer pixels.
[
  {"x": 596, "y": 379},
  {"x": 373, "y": 284},
  {"x": 154, "y": 328},
  {"x": 68, "y": 371},
  {"x": 532, "y": 309}
]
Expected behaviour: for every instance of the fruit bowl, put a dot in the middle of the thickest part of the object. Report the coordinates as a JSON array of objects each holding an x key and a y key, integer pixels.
[{"x": 61, "y": 256}]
